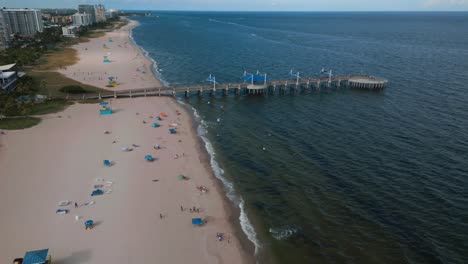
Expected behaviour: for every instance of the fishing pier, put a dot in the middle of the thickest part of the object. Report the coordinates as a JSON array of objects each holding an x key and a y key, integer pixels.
[{"x": 254, "y": 84}]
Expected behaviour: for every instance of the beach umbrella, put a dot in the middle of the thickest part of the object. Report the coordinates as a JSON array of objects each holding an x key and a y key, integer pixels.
[
  {"x": 36, "y": 256},
  {"x": 149, "y": 158},
  {"x": 154, "y": 124},
  {"x": 197, "y": 221},
  {"x": 107, "y": 163}
]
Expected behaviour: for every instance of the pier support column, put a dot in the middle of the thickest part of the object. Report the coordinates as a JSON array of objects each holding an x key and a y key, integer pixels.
[
  {"x": 173, "y": 93},
  {"x": 130, "y": 93},
  {"x": 187, "y": 93},
  {"x": 99, "y": 96},
  {"x": 200, "y": 92},
  {"x": 115, "y": 94},
  {"x": 159, "y": 92}
]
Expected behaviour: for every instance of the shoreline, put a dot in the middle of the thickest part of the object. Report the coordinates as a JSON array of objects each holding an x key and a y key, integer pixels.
[
  {"x": 223, "y": 220},
  {"x": 233, "y": 211}
]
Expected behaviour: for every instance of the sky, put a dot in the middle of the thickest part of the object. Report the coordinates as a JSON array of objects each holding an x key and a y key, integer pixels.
[{"x": 254, "y": 5}]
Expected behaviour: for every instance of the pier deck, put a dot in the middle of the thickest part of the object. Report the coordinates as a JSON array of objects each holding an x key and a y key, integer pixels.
[{"x": 271, "y": 87}]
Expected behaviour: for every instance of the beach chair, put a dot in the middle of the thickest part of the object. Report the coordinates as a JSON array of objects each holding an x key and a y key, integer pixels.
[
  {"x": 172, "y": 130},
  {"x": 107, "y": 163},
  {"x": 154, "y": 124}
]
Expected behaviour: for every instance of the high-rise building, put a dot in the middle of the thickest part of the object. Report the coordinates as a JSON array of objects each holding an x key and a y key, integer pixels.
[
  {"x": 4, "y": 33},
  {"x": 100, "y": 13},
  {"x": 23, "y": 21},
  {"x": 81, "y": 19},
  {"x": 88, "y": 9}
]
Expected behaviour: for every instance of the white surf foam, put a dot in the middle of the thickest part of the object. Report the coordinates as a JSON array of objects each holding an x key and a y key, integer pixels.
[
  {"x": 245, "y": 223},
  {"x": 154, "y": 66}
]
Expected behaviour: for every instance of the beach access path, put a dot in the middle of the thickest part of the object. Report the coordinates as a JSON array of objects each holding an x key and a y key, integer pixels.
[
  {"x": 126, "y": 62},
  {"x": 62, "y": 159}
]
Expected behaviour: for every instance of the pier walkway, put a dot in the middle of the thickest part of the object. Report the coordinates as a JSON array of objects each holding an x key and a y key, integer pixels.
[{"x": 270, "y": 87}]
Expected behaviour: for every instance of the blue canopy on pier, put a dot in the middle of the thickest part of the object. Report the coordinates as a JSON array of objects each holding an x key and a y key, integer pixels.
[
  {"x": 36, "y": 256},
  {"x": 256, "y": 77}
]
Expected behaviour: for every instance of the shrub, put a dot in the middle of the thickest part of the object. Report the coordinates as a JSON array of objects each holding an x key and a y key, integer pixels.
[{"x": 73, "y": 89}]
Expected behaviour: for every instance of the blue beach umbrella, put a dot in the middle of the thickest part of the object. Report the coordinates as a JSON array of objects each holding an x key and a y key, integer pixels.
[{"x": 197, "y": 221}]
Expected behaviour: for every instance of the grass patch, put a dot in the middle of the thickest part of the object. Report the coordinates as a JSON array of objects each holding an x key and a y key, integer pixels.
[
  {"x": 49, "y": 106},
  {"x": 19, "y": 123},
  {"x": 58, "y": 58},
  {"x": 54, "y": 81},
  {"x": 89, "y": 101}
]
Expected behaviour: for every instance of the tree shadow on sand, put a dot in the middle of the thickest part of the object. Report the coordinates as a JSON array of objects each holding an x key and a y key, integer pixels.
[{"x": 83, "y": 256}]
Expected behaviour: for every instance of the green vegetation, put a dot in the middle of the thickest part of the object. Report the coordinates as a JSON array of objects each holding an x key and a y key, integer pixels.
[
  {"x": 52, "y": 82},
  {"x": 57, "y": 59},
  {"x": 19, "y": 123},
  {"x": 39, "y": 56},
  {"x": 48, "y": 107},
  {"x": 73, "y": 89}
]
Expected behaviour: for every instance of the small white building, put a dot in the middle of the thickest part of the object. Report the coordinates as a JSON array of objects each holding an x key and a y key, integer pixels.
[
  {"x": 9, "y": 77},
  {"x": 70, "y": 31},
  {"x": 82, "y": 19}
]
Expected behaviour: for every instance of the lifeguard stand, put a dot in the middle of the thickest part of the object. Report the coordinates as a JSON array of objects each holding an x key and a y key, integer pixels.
[
  {"x": 112, "y": 82},
  {"x": 104, "y": 108}
]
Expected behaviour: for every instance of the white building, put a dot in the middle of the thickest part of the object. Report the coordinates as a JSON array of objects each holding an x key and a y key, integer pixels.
[
  {"x": 70, "y": 31},
  {"x": 4, "y": 33},
  {"x": 82, "y": 19},
  {"x": 9, "y": 77},
  {"x": 22, "y": 21},
  {"x": 100, "y": 11}
]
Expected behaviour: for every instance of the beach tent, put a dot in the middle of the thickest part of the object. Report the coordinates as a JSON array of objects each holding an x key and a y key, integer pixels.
[
  {"x": 172, "y": 130},
  {"x": 149, "y": 158},
  {"x": 154, "y": 124},
  {"x": 197, "y": 221},
  {"x": 97, "y": 192},
  {"x": 107, "y": 163},
  {"x": 36, "y": 256}
]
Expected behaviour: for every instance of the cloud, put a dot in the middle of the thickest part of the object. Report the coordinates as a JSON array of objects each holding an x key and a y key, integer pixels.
[{"x": 432, "y": 3}]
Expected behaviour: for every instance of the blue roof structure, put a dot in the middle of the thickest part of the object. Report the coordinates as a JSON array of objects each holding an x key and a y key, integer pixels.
[
  {"x": 256, "y": 77},
  {"x": 36, "y": 256}
]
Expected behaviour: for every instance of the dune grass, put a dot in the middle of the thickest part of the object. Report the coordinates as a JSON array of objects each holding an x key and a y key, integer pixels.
[
  {"x": 18, "y": 123},
  {"x": 57, "y": 58},
  {"x": 53, "y": 81},
  {"x": 49, "y": 106}
]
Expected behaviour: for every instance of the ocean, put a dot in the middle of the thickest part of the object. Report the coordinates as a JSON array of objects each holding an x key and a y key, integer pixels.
[{"x": 336, "y": 175}]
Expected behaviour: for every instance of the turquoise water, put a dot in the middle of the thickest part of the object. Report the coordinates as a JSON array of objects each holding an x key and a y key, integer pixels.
[{"x": 333, "y": 176}]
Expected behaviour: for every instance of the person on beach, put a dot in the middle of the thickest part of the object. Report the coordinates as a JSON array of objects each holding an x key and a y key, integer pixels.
[
  {"x": 181, "y": 208},
  {"x": 160, "y": 216},
  {"x": 76, "y": 205}
]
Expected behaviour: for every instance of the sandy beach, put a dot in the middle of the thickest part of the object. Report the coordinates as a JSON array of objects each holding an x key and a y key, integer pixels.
[
  {"x": 126, "y": 62},
  {"x": 145, "y": 214}
]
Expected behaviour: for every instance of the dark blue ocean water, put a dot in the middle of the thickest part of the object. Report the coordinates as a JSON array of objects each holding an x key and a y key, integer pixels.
[{"x": 334, "y": 176}]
